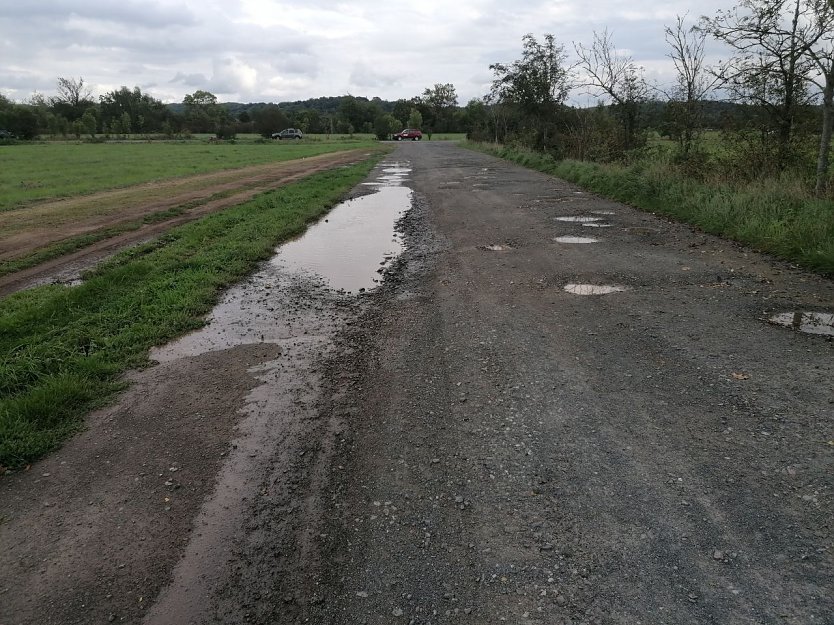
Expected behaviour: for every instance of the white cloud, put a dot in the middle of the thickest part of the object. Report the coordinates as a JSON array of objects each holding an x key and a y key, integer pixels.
[{"x": 262, "y": 50}]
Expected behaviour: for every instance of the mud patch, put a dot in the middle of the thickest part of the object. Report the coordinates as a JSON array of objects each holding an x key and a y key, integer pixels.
[
  {"x": 594, "y": 289},
  {"x": 809, "y": 322}
]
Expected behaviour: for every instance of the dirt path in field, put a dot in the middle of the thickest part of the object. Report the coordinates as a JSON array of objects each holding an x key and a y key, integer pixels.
[
  {"x": 470, "y": 442},
  {"x": 28, "y": 229}
]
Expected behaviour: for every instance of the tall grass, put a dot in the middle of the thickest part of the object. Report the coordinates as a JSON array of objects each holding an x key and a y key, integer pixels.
[
  {"x": 778, "y": 216},
  {"x": 62, "y": 350}
]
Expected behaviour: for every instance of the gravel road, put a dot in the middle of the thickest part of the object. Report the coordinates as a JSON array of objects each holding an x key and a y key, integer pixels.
[{"x": 475, "y": 441}]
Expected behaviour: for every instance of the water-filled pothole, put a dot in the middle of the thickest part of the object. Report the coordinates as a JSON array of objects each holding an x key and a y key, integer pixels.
[
  {"x": 578, "y": 219},
  {"x": 596, "y": 225},
  {"x": 603, "y": 212},
  {"x": 594, "y": 289},
  {"x": 496, "y": 247},
  {"x": 569, "y": 239},
  {"x": 810, "y": 322},
  {"x": 350, "y": 247}
]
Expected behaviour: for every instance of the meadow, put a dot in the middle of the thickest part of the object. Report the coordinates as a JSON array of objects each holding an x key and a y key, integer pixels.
[{"x": 57, "y": 169}]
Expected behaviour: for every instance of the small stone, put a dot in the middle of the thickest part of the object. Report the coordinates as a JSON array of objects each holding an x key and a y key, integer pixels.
[
  {"x": 561, "y": 600},
  {"x": 458, "y": 499},
  {"x": 397, "y": 612},
  {"x": 363, "y": 594},
  {"x": 717, "y": 555}
]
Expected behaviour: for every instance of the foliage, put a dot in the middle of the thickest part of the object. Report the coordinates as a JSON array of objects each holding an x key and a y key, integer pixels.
[{"x": 536, "y": 84}]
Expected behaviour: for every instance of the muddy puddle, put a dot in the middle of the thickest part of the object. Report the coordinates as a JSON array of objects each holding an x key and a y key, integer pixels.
[
  {"x": 593, "y": 289},
  {"x": 576, "y": 240},
  {"x": 809, "y": 322},
  {"x": 351, "y": 246},
  {"x": 293, "y": 302}
]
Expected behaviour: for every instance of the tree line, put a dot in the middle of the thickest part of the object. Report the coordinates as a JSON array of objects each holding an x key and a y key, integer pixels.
[
  {"x": 780, "y": 76},
  {"x": 73, "y": 112}
]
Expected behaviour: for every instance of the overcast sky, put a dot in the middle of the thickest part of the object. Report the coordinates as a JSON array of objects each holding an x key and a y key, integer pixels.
[{"x": 269, "y": 51}]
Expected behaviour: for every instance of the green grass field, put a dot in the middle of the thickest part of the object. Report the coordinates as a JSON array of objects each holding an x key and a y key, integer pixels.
[
  {"x": 62, "y": 349},
  {"x": 40, "y": 171}
]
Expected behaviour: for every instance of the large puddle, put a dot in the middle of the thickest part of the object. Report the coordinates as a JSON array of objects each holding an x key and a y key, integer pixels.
[
  {"x": 810, "y": 322},
  {"x": 351, "y": 246}
]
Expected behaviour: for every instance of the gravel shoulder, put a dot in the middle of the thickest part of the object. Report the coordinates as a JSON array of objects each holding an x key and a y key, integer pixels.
[{"x": 467, "y": 443}]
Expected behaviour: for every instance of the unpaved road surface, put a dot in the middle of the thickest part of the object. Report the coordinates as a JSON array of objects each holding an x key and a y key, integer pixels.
[
  {"x": 467, "y": 443},
  {"x": 28, "y": 229}
]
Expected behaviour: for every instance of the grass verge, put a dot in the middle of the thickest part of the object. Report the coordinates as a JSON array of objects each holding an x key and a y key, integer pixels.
[
  {"x": 770, "y": 216},
  {"x": 64, "y": 349}
]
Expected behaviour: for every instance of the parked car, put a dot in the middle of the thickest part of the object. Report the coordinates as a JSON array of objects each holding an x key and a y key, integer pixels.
[
  {"x": 408, "y": 133},
  {"x": 289, "y": 133}
]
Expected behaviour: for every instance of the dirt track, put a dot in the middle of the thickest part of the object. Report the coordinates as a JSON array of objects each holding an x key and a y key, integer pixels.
[
  {"x": 65, "y": 219},
  {"x": 469, "y": 443}
]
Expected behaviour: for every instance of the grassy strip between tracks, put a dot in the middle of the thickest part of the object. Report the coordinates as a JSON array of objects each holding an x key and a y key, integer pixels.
[
  {"x": 68, "y": 246},
  {"x": 64, "y": 349},
  {"x": 772, "y": 216}
]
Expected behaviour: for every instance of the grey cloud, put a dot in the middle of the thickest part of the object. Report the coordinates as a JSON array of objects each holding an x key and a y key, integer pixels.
[
  {"x": 190, "y": 80},
  {"x": 127, "y": 12}
]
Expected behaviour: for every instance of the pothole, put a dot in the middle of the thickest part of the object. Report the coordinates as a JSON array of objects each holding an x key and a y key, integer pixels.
[
  {"x": 809, "y": 322},
  {"x": 568, "y": 239},
  {"x": 578, "y": 219},
  {"x": 594, "y": 289}
]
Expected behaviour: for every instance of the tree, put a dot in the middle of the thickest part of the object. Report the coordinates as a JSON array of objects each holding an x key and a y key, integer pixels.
[
  {"x": 536, "y": 83},
  {"x": 610, "y": 74},
  {"x": 385, "y": 125},
  {"x": 694, "y": 82},
  {"x": 415, "y": 119},
  {"x": 771, "y": 66},
  {"x": 145, "y": 111},
  {"x": 268, "y": 119},
  {"x": 73, "y": 98},
  {"x": 89, "y": 122},
  {"x": 439, "y": 100},
  {"x": 822, "y": 54},
  {"x": 202, "y": 112}
]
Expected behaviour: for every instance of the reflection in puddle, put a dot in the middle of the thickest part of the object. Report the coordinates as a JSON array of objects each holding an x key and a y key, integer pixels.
[
  {"x": 596, "y": 225},
  {"x": 593, "y": 289},
  {"x": 577, "y": 219},
  {"x": 496, "y": 248},
  {"x": 350, "y": 245},
  {"x": 810, "y": 322},
  {"x": 576, "y": 240},
  {"x": 603, "y": 212}
]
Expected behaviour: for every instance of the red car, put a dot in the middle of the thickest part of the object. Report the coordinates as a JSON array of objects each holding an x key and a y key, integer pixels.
[{"x": 408, "y": 133}]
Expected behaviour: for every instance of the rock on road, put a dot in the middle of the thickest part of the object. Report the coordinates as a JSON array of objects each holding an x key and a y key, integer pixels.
[{"x": 470, "y": 443}]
